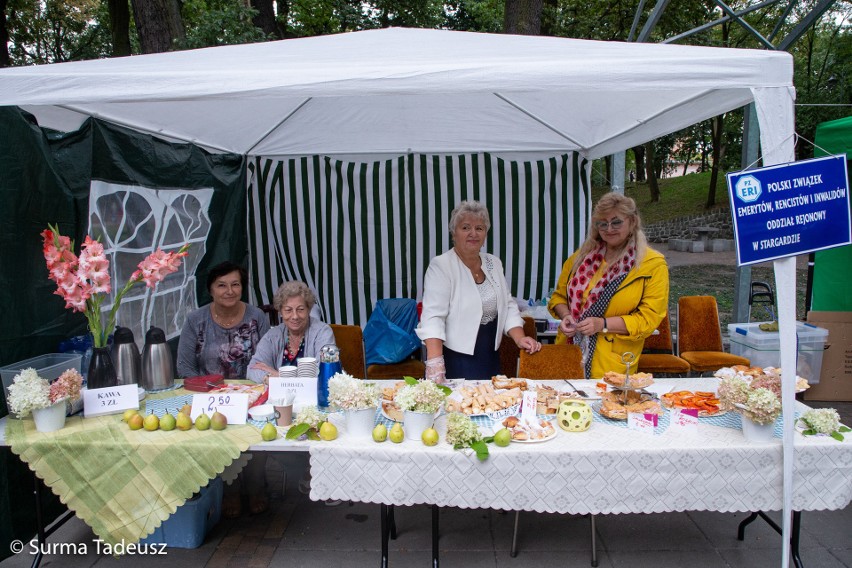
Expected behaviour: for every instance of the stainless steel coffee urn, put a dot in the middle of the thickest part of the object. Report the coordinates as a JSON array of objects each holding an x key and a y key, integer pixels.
[
  {"x": 125, "y": 357},
  {"x": 157, "y": 367}
]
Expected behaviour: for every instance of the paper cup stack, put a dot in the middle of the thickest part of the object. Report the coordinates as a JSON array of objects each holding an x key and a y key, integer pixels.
[{"x": 308, "y": 367}]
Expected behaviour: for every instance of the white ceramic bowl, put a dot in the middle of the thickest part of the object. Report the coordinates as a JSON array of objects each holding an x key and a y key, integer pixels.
[{"x": 261, "y": 412}]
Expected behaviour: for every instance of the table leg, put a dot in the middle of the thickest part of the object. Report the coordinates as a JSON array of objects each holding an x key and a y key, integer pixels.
[
  {"x": 434, "y": 536},
  {"x": 594, "y": 541},
  {"x": 43, "y": 532},
  {"x": 794, "y": 536},
  {"x": 514, "y": 552},
  {"x": 392, "y": 521},
  {"x": 384, "y": 516}
]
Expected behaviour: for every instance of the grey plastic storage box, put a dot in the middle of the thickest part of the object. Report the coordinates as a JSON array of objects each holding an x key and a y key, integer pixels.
[
  {"x": 763, "y": 348},
  {"x": 48, "y": 366},
  {"x": 190, "y": 524}
]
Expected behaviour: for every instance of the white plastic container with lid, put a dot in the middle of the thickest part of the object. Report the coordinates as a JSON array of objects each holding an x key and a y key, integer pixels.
[{"x": 763, "y": 348}]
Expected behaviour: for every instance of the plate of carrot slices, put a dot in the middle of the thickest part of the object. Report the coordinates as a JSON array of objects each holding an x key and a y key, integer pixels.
[{"x": 706, "y": 403}]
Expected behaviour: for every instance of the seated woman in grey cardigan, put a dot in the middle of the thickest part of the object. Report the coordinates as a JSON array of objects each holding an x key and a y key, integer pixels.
[{"x": 299, "y": 335}]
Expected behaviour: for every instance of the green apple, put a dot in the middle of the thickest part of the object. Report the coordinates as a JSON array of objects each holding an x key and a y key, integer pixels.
[
  {"x": 380, "y": 433},
  {"x": 429, "y": 436},
  {"x": 396, "y": 434}
]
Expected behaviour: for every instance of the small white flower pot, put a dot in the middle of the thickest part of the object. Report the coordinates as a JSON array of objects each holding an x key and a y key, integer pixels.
[
  {"x": 754, "y": 432},
  {"x": 415, "y": 422},
  {"x": 360, "y": 422},
  {"x": 51, "y": 418}
]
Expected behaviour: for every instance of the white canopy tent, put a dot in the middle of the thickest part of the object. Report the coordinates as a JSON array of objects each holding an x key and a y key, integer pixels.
[
  {"x": 398, "y": 90},
  {"x": 393, "y": 91}
]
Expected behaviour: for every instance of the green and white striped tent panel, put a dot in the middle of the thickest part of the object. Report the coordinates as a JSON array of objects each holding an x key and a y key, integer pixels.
[{"x": 357, "y": 232}]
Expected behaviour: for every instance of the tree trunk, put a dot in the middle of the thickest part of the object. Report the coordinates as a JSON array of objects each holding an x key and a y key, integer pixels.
[
  {"x": 718, "y": 151},
  {"x": 650, "y": 171},
  {"x": 283, "y": 16},
  {"x": 265, "y": 18},
  {"x": 119, "y": 26},
  {"x": 522, "y": 17},
  {"x": 158, "y": 23},
  {"x": 607, "y": 169},
  {"x": 639, "y": 158},
  {"x": 5, "y": 60}
]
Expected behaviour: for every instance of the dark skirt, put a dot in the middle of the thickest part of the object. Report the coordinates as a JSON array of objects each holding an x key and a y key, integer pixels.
[{"x": 483, "y": 364}]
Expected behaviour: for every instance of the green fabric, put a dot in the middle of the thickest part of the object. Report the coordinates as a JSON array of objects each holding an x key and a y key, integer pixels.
[
  {"x": 125, "y": 483},
  {"x": 833, "y": 268}
]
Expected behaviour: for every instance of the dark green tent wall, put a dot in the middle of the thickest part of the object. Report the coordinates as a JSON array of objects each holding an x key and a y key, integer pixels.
[
  {"x": 45, "y": 177},
  {"x": 833, "y": 267}
]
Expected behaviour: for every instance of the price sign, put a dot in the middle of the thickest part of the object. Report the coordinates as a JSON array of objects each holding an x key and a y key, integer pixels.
[
  {"x": 110, "y": 400},
  {"x": 642, "y": 422},
  {"x": 684, "y": 419},
  {"x": 530, "y": 401},
  {"x": 305, "y": 389},
  {"x": 233, "y": 405}
]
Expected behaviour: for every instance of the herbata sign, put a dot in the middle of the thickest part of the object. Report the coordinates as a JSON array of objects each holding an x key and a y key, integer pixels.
[{"x": 790, "y": 209}]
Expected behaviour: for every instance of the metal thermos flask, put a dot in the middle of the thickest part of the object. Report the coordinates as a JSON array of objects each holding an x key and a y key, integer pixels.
[
  {"x": 328, "y": 367},
  {"x": 157, "y": 367},
  {"x": 125, "y": 357}
]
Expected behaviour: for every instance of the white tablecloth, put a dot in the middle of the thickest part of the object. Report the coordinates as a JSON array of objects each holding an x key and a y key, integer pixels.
[{"x": 607, "y": 469}]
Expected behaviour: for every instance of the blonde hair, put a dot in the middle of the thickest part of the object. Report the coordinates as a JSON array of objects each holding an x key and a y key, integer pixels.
[{"x": 607, "y": 205}]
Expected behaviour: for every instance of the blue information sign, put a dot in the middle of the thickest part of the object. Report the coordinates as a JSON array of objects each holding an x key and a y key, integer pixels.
[{"x": 790, "y": 209}]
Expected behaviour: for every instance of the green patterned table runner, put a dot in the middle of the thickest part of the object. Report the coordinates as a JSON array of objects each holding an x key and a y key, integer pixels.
[{"x": 125, "y": 483}]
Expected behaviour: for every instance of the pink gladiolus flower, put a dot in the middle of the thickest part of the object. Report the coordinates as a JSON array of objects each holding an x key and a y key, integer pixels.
[{"x": 157, "y": 266}]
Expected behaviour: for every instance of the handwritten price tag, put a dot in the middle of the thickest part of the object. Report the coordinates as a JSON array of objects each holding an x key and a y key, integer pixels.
[
  {"x": 233, "y": 405},
  {"x": 642, "y": 422},
  {"x": 110, "y": 400},
  {"x": 528, "y": 405},
  {"x": 304, "y": 387},
  {"x": 684, "y": 419}
]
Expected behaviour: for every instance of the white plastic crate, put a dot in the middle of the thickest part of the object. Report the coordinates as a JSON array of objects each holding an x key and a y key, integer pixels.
[
  {"x": 48, "y": 366},
  {"x": 763, "y": 348}
]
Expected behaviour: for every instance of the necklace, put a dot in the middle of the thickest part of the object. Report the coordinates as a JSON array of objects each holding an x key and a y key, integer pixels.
[{"x": 225, "y": 322}]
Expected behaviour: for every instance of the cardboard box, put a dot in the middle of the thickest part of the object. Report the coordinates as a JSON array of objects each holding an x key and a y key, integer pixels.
[{"x": 836, "y": 377}]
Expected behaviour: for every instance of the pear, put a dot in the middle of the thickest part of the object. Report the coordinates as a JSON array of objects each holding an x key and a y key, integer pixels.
[
  {"x": 328, "y": 431},
  {"x": 380, "y": 433},
  {"x": 202, "y": 422},
  {"x": 429, "y": 436},
  {"x": 151, "y": 422},
  {"x": 186, "y": 409},
  {"x": 397, "y": 434},
  {"x": 168, "y": 422},
  {"x": 135, "y": 422},
  {"x": 183, "y": 421},
  {"x": 269, "y": 432},
  {"x": 128, "y": 413},
  {"x": 218, "y": 421}
]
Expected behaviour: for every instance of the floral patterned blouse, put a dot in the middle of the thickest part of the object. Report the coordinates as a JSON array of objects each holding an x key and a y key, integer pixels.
[{"x": 206, "y": 348}]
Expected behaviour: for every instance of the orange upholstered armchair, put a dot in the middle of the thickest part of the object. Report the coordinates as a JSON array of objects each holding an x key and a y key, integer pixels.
[
  {"x": 509, "y": 352},
  {"x": 350, "y": 340},
  {"x": 563, "y": 361},
  {"x": 699, "y": 337},
  {"x": 658, "y": 354}
]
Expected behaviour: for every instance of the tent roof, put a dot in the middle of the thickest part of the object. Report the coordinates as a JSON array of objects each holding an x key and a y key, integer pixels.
[{"x": 395, "y": 90}]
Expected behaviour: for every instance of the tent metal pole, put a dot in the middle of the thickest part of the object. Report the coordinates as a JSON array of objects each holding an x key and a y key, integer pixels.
[
  {"x": 540, "y": 121},
  {"x": 278, "y": 124}
]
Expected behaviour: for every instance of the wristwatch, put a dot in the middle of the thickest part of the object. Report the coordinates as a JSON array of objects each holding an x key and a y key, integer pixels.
[{"x": 604, "y": 330}]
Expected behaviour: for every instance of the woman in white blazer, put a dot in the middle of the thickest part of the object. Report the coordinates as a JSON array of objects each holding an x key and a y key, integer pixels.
[{"x": 467, "y": 306}]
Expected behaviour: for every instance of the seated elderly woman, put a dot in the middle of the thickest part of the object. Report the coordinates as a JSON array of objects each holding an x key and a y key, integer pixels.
[{"x": 299, "y": 335}]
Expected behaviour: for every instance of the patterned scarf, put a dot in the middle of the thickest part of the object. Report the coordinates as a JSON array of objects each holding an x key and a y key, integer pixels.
[{"x": 599, "y": 296}]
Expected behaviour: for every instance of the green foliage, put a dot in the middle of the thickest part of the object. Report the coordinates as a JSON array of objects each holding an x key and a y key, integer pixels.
[
  {"x": 218, "y": 22},
  {"x": 474, "y": 15}
]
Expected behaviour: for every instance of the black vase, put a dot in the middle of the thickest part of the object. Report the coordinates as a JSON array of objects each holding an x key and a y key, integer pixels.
[{"x": 101, "y": 370}]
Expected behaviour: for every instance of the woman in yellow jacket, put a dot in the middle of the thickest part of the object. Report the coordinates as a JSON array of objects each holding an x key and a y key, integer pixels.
[{"x": 614, "y": 291}]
